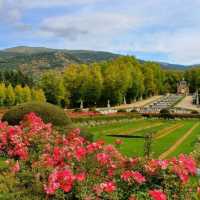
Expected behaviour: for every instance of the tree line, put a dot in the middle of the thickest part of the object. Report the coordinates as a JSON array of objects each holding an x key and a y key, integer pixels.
[
  {"x": 16, "y": 77},
  {"x": 192, "y": 76},
  {"x": 124, "y": 78},
  {"x": 10, "y": 95}
]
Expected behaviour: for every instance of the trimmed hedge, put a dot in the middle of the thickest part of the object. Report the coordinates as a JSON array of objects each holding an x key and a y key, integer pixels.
[
  {"x": 177, "y": 115},
  {"x": 165, "y": 113},
  {"x": 48, "y": 112},
  {"x": 106, "y": 117}
]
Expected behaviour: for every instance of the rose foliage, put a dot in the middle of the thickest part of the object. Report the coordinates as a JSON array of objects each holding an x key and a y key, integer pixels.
[{"x": 43, "y": 164}]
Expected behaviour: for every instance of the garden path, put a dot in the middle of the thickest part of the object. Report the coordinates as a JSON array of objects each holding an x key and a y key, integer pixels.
[
  {"x": 178, "y": 142},
  {"x": 167, "y": 131},
  {"x": 187, "y": 104}
]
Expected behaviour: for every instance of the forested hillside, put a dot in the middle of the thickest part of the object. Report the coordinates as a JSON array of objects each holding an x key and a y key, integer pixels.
[{"x": 37, "y": 59}]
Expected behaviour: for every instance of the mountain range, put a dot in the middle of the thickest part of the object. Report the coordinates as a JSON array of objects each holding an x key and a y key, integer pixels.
[{"x": 41, "y": 58}]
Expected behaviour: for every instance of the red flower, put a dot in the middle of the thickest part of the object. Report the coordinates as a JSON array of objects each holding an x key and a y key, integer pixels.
[
  {"x": 93, "y": 147},
  {"x": 80, "y": 177},
  {"x": 16, "y": 167},
  {"x": 138, "y": 177},
  {"x": 157, "y": 195},
  {"x": 130, "y": 176},
  {"x": 80, "y": 153},
  {"x": 163, "y": 164},
  {"x": 109, "y": 186},
  {"x": 103, "y": 158},
  {"x": 60, "y": 179}
]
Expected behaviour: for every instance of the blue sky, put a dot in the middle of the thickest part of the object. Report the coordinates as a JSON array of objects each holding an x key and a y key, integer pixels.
[{"x": 165, "y": 30}]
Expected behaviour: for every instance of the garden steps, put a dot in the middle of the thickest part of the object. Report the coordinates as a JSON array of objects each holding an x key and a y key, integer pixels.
[{"x": 178, "y": 142}]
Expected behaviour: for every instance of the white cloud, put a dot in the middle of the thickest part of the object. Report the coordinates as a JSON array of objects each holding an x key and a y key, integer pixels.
[
  {"x": 96, "y": 24},
  {"x": 28, "y": 4},
  {"x": 9, "y": 13},
  {"x": 169, "y": 27}
]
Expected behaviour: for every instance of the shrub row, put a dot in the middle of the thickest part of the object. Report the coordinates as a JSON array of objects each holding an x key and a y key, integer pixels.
[
  {"x": 105, "y": 117},
  {"x": 172, "y": 116}
]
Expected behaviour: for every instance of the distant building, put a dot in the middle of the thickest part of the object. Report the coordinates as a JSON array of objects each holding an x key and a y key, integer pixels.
[{"x": 182, "y": 88}]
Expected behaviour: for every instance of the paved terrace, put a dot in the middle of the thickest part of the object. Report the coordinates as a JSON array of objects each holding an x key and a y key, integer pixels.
[
  {"x": 136, "y": 105},
  {"x": 186, "y": 103},
  {"x": 140, "y": 103}
]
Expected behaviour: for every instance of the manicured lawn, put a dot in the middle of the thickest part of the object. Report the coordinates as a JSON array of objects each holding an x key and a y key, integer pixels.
[
  {"x": 134, "y": 147},
  {"x": 188, "y": 145},
  {"x": 161, "y": 145}
]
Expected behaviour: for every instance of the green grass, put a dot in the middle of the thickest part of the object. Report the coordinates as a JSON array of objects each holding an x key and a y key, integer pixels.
[
  {"x": 134, "y": 147},
  {"x": 188, "y": 145},
  {"x": 2, "y": 163},
  {"x": 163, "y": 144}
]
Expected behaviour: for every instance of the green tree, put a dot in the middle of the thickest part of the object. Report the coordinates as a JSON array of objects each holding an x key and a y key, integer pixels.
[
  {"x": 117, "y": 80},
  {"x": 38, "y": 95},
  {"x": 192, "y": 76},
  {"x": 10, "y": 96},
  {"x": 2, "y": 94},
  {"x": 19, "y": 94},
  {"x": 171, "y": 78},
  {"x": 149, "y": 84},
  {"x": 93, "y": 85},
  {"x": 137, "y": 85},
  {"x": 52, "y": 84},
  {"x": 73, "y": 80},
  {"x": 26, "y": 94}
]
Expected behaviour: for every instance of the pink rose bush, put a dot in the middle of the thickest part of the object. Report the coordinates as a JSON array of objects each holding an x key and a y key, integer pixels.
[{"x": 47, "y": 165}]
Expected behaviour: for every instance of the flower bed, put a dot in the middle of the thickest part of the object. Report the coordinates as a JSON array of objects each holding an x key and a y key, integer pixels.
[
  {"x": 42, "y": 164},
  {"x": 83, "y": 114},
  {"x": 100, "y": 117}
]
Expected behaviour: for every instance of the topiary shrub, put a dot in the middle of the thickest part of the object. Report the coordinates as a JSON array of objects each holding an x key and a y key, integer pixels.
[
  {"x": 165, "y": 113},
  {"x": 121, "y": 110},
  {"x": 195, "y": 112},
  {"x": 93, "y": 109},
  {"x": 48, "y": 112},
  {"x": 78, "y": 110}
]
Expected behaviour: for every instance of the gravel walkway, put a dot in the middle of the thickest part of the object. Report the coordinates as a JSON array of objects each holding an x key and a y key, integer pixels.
[{"x": 187, "y": 104}]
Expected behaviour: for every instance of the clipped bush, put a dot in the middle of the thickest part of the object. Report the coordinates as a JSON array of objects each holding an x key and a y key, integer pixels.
[
  {"x": 165, "y": 113},
  {"x": 48, "y": 112},
  {"x": 107, "y": 118},
  {"x": 134, "y": 111},
  {"x": 92, "y": 109},
  {"x": 78, "y": 110},
  {"x": 122, "y": 111},
  {"x": 195, "y": 112}
]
